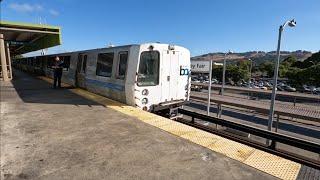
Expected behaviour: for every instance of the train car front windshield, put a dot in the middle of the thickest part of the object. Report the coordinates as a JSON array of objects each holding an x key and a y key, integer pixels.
[{"x": 148, "y": 73}]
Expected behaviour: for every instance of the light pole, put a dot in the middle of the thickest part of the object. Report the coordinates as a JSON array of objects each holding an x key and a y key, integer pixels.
[
  {"x": 209, "y": 87},
  {"x": 223, "y": 80},
  {"x": 250, "y": 69},
  {"x": 224, "y": 71},
  {"x": 291, "y": 23}
]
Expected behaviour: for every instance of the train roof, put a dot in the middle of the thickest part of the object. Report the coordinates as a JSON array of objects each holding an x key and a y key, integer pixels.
[{"x": 104, "y": 48}]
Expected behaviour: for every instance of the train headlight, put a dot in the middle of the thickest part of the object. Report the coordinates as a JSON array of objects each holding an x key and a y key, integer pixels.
[
  {"x": 145, "y": 92},
  {"x": 144, "y": 101}
]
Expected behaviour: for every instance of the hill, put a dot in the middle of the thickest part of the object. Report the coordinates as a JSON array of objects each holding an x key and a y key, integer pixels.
[{"x": 257, "y": 56}]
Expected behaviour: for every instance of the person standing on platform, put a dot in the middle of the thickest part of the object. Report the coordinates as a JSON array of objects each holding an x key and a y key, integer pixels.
[{"x": 58, "y": 67}]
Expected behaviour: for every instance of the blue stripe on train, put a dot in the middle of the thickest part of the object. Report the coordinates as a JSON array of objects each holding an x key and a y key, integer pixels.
[{"x": 105, "y": 84}]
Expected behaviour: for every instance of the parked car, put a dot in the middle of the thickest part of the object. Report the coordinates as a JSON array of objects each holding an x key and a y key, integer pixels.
[
  {"x": 280, "y": 88},
  {"x": 309, "y": 89},
  {"x": 214, "y": 81},
  {"x": 268, "y": 85},
  {"x": 263, "y": 88},
  {"x": 313, "y": 89},
  {"x": 306, "y": 88},
  {"x": 289, "y": 88},
  {"x": 195, "y": 87}
]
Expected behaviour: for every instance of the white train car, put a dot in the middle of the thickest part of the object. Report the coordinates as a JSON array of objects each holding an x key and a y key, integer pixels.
[{"x": 152, "y": 76}]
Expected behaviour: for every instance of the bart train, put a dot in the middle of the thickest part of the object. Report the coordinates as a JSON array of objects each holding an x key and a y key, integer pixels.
[{"x": 154, "y": 77}]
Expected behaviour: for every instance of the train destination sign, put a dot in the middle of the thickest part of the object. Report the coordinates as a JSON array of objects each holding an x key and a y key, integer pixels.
[{"x": 200, "y": 66}]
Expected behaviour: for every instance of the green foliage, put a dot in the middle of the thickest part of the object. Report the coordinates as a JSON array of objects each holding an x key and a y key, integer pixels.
[
  {"x": 217, "y": 72},
  {"x": 268, "y": 68},
  {"x": 289, "y": 61},
  {"x": 311, "y": 75},
  {"x": 311, "y": 61},
  {"x": 233, "y": 72},
  {"x": 294, "y": 76},
  {"x": 297, "y": 72},
  {"x": 315, "y": 58},
  {"x": 19, "y": 56}
]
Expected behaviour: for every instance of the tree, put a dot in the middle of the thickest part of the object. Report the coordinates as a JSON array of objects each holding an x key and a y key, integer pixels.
[
  {"x": 315, "y": 58},
  {"x": 294, "y": 76},
  {"x": 19, "y": 56},
  {"x": 267, "y": 67},
  {"x": 289, "y": 61},
  {"x": 217, "y": 72},
  {"x": 310, "y": 61},
  {"x": 233, "y": 72}
]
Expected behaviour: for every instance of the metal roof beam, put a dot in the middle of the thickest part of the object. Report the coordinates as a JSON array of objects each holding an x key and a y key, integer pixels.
[{"x": 27, "y": 30}]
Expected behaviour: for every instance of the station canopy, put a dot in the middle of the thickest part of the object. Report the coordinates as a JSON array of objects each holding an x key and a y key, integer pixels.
[{"x": 24, "y": 37}]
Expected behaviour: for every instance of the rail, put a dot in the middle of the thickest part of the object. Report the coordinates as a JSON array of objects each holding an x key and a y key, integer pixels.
[
  {"x": 273, "y": 136},
  {"x": 283, "y": 110}
]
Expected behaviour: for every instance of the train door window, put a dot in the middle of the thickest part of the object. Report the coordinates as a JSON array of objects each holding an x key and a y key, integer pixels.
[
  {"x": 66, "y": 62},
  {"x": 148, "y": 74},
  {"x": 104, "y": 64},
  {"x": 38, "y": 61},
  {"x": 122, "y": 64},
  {"x": 84, "y": 63},
  {"x": 50, "y": 62}
]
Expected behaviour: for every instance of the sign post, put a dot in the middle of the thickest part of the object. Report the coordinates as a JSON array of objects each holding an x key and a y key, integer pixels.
[
  {"x": 200, "y": 66},
  {"x": 204, "y": 67}
]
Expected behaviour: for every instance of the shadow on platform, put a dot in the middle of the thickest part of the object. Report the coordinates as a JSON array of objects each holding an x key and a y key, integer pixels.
[{"x": 34, "y": 90}]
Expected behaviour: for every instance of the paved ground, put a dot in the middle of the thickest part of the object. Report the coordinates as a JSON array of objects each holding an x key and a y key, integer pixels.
[{"x": 55, "y": 134}]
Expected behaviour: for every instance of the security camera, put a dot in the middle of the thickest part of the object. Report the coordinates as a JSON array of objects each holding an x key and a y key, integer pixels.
[{"x": 292, "y": 23}]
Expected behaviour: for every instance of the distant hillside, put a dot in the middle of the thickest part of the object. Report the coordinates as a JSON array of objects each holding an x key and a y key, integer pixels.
[{"x": 257, "y": 56}]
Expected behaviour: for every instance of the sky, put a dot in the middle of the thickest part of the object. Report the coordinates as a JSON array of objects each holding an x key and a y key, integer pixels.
[{"x": 202, "y": 26}]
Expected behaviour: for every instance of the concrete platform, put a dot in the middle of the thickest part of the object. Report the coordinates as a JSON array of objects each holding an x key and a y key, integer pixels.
[{"x": 57, "y": 134}]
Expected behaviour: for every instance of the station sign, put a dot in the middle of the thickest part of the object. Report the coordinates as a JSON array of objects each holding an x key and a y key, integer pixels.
[{"x": 200, "y": 66}]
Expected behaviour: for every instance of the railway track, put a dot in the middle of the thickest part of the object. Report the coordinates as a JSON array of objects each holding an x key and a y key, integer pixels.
[
  {"x": 280, "y": 110},
  {"x": 273, "y": 136},
  {"x": 243, "y": 110}
]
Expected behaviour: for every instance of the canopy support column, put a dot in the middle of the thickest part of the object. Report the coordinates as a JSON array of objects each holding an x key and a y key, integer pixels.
[
  {"x": 9, "y": 60},
  {"x": 4, "y": 68}
]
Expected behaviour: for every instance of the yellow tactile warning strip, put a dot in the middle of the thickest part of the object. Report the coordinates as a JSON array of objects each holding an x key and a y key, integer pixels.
[{"x": 266, "y": 162}]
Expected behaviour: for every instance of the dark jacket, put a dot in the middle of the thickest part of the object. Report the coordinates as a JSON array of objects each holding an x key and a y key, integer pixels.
[{"x": 58, "y": 66}]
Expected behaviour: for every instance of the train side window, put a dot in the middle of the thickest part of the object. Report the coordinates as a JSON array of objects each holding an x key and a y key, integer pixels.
[
  {"x": 84, "y": 64},
  {"x": 104, "y": 64},
  {"x": 122, "y": 66}
]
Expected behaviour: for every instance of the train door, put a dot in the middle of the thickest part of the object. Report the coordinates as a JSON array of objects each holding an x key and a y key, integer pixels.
[
  {"x": 165, "y": 76},
  {"x": 81, "y": 71},
  {"x": 169, "y": 75},
  {"x": 174, "y": 74}
]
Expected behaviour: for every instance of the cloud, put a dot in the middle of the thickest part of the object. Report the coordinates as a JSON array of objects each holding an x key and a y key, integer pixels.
[
  {"x": 54, "y": 12},
  {"x": 25, "y": 7}
]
